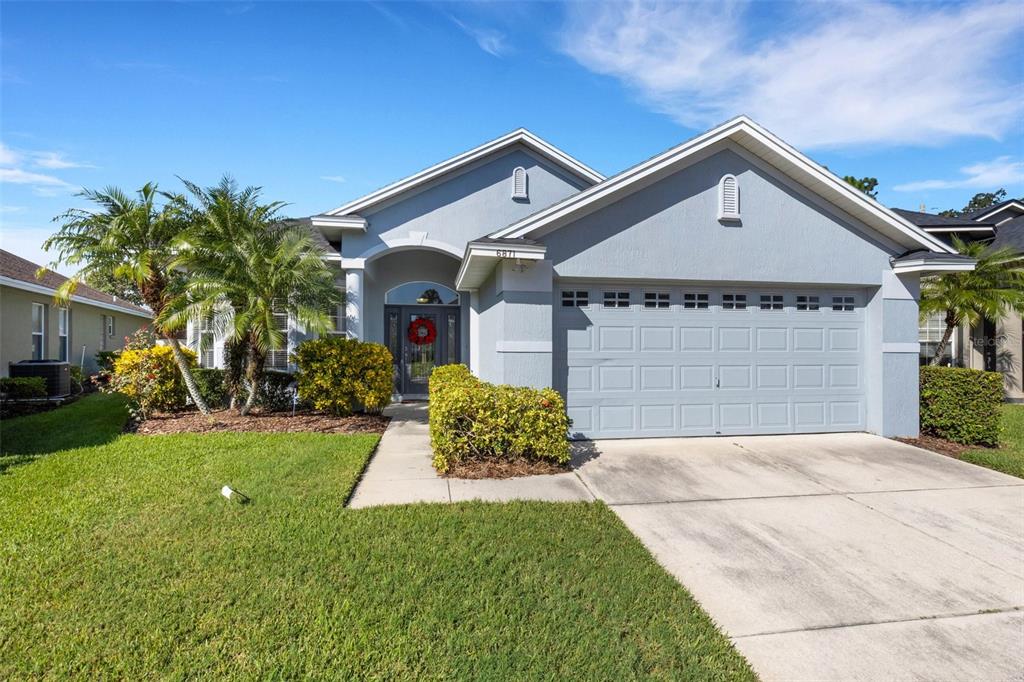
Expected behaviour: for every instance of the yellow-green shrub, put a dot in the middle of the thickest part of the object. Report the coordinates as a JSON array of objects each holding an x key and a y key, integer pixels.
[
  {"x": 339, "y": 375},
  {"x": 961, "y": 405},
  {"x": 150, "y": 378},
  {"x": 472, "y": 419}
]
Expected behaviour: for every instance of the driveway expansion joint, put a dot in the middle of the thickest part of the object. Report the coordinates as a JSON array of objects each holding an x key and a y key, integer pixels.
[{"x": 869, "y": 623}]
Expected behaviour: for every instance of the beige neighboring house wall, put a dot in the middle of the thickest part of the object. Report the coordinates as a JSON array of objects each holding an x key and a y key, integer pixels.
[{"x": 88, "y": 313}]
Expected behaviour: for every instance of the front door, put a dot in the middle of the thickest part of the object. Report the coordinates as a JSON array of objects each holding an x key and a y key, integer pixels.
[{"x": 420, "y": 338}]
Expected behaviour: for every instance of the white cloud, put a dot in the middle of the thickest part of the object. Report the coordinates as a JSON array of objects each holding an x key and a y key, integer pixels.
[
  {"x": 11, "y": 209},
  {"x": 987, "y": 175},
  {"x": 489, "y": 40},
  {"x": 333, "y": 178},
  {"x": 831, "y": 75},
  {"x": 8, "y": 157},
  {"x": 56, "y": 161},
  {"x": 17, "y": 176}
]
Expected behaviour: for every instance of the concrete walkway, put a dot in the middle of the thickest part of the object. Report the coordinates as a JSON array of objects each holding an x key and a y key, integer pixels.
[{"x": 401, "y": 473}]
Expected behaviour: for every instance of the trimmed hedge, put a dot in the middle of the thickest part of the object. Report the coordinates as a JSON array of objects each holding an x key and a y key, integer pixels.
[
  {"x": 339, "y": 375},
  {"x": 472, "y": 419},
  {"x": 961, "y": 405},
  {"x": 151, "y": 379},
  {"x": 276, "y": 391},
  {"x": 22, "y": 388},
  {"x": 210, "y": 382}
]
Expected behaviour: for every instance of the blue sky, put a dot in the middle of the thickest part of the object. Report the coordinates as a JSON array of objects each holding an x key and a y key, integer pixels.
[{"x": 320, "y": 103}]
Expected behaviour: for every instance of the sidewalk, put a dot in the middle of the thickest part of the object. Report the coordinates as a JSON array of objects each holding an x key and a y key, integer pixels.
[{"x": 401, "y": 473}]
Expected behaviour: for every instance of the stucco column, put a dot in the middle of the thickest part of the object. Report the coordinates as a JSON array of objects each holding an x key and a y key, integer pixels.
[
  {"x": 354, "y": 269},
  {"x": 894, "y": 350},
  {"x": 523, "y": 344}
]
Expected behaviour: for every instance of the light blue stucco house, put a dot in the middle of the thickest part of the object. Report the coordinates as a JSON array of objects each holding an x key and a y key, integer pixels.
[{"x": 729, "y": 285}]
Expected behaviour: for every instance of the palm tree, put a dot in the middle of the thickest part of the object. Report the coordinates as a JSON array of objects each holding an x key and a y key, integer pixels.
[
  {"x": 133, "y": 242},
  {"x": 993, "y": 288},
  {"x": 245, "y": 260}
]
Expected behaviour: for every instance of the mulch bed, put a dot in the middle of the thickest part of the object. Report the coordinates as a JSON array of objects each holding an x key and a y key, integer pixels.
[
  {"x": 262, "y": 422},
  {"x": 939, "y": 445},
  {"x": 504, "y": 469}
]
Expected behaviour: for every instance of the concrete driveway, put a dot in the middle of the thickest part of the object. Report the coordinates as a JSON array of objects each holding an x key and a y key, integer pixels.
[{"x": 843, "y": 556}]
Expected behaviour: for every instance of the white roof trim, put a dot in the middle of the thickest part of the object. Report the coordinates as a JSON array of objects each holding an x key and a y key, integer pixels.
[
  {"x": 339, "y": 222},
  {"x": 480, "y": 259},
  {"x": 746, "y": 133},
  {"x": 520, "y": 136},
  {"x": 980, "y": 228},
  {"x": 1003, "y": 207},
  {"x": 50, "y": 291},
  {"x": 928, "y": 266}
]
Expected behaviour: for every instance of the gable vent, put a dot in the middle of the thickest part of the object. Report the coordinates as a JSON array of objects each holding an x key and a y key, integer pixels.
[
  {"x": 519, "y": 190},
  {"x": 728, "y": 198}
]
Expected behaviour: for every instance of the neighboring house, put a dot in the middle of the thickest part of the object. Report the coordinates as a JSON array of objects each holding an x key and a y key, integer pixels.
[
  {"x": 992, "y": 345},
  {"x": 32, "y": 327},
  {"x": 728, "y": 285}
]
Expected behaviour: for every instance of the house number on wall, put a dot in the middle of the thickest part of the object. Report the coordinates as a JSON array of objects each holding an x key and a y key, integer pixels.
[{"x": 503, "y": 253}]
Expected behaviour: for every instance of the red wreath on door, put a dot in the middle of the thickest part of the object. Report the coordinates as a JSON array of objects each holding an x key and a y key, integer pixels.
[{"x": 422, "y": 332}]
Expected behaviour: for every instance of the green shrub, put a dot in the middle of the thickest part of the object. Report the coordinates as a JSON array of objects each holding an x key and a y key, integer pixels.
[
  {"x": 150, "y": 378},
  {"x": 22, "y": 388},
  {"x": 341, "y": 375},
  {"x": 77, "y": 379},
  {"x": 472, "y": 419},
  {"x": 105, "y": 360},
  {"x": 961, "y": 405},
  {"x": 276, "y": 391},
  {"x": 211, "y": 386}
]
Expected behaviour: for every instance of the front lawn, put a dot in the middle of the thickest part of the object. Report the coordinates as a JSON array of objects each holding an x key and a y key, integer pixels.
[
  {"x": 1009, "y": 456},
  {"x": 120, "y": 559}
]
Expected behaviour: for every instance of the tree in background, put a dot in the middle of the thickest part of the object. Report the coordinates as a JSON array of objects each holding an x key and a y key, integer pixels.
[
  {"x": 978, "y": 201},
  {"x": 108, "y": 284},
  {"x": 248, "y": 266},
  {"x": 993, "y": 288},
  {"x": 132, "y": 242},
  {"x": 866, "y": 185}
]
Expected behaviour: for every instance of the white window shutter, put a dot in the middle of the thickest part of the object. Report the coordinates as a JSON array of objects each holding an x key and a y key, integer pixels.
[
  {"x": 519, "y": 189},
  {"x": 728, "y": 198}
]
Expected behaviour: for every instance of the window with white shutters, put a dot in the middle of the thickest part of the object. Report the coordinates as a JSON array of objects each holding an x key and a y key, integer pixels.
[{"x": 728, "y": 198}]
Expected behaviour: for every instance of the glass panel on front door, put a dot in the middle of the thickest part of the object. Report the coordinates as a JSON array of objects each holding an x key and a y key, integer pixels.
[
  {"x": 420, "y": 338},
  {"x": 421, "y": 352}
]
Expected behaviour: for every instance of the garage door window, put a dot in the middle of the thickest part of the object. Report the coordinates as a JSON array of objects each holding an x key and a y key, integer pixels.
[
  {"x": 771, "y": 301},
  {"x": 656, "y": 299},
  {"x": 842, "y": 304},
  {"x": 616, "y": 299},
  {"x": 695, "y": 301},
  {"x": 734, "y": 301},
  {"x": 807, "y": 303},
  {"x": 575, "y": 299}
]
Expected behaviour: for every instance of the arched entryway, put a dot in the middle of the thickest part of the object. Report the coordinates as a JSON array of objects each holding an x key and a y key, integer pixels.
[{"x": 410, "y": 304}]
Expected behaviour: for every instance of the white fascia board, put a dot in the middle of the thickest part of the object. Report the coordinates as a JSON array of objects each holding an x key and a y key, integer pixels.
[
  {"x": 980, "y": 228},
  {"x": 676, "y": 158},
  {"x": 41, "y": 289},
  {"x": 1013, "y": 204},
  {"x": 343, "y": 222},
  {"x": 520, "y": 136},
  {"x": 921, "y": 265},
  {"x": 489, "y": 255}
]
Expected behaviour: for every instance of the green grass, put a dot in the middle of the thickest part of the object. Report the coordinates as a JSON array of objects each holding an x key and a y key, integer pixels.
[
  {"x": 1009, "y": 456},
  {"x": 120, "y": 559},
  {"x": 92, "y": 420}
]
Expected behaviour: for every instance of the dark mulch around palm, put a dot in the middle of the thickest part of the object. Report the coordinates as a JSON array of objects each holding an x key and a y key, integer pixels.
[
  {"x": 504, "y": 469},
  {"x": 262, "y": 422}
]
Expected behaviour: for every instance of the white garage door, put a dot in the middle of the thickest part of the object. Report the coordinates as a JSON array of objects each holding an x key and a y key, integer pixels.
[{"x": 640, "y": 361}]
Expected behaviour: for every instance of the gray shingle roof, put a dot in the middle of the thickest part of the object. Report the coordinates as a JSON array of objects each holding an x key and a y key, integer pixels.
[
  {"x": 1010, "y": 234},
  {"x": 932, "y": 220}
]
